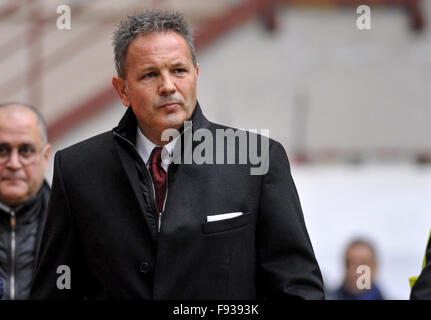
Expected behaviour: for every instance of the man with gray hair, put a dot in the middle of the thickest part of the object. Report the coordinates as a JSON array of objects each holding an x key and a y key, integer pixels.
[
  {"x": 125, "y": 222},
  {"x": 24, "y": 156}
]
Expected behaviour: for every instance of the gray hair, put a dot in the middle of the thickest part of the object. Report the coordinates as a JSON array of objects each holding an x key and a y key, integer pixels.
[
  {"x": 148, "y": 22},
  {"x": 40, "y": 119}
]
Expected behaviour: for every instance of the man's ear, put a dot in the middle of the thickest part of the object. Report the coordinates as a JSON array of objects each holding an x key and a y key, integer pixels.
[
  {"x": 197, "y": 70},
  {"x": 122, "y": 90},
  {"x": 46, "y": 154}
]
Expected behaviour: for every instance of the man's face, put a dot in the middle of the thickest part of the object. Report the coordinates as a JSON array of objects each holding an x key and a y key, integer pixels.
[
  {"x": 161, "y": 82},
  {"x": 356, "y": 256},
  {"x": 20, "y": 133}
]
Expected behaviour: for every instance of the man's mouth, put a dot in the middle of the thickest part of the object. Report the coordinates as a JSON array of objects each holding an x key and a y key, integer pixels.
[
  {"x": 11, "y": 179},
  {"x": 170, "y": 105}
]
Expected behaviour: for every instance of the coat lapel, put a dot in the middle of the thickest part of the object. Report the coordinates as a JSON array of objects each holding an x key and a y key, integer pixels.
[
  {"x": 142, "y": 193},
  {"x": 125, "y": 136}
]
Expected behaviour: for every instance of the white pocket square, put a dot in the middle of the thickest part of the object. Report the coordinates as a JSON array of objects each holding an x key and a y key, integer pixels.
[{"x": 223, "y": 216}]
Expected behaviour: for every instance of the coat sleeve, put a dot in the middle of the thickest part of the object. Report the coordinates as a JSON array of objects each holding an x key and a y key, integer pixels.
[
  {"x": 421, "y": 289},
  {"x": 287, "y": 266},
  {"x": 59, "y": 252}
]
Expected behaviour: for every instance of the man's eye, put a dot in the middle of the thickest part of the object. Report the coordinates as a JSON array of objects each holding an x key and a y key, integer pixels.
[
  {"x": 26, "y": 151},
  {"x": 4, "y": 150},
  {"x": 179, "y": 70},
  {"x": 149, "y": 75}
]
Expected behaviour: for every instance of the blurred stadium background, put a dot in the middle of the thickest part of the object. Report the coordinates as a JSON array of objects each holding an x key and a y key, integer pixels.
[{"x": 352, "y": 107}]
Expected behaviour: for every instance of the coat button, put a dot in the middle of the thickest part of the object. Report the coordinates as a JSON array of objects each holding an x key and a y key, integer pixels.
[{"x": 144, "y": 267}]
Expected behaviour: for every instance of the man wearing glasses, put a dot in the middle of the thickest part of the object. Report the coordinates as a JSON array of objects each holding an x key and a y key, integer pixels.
[{"x": 24, "y": 155}]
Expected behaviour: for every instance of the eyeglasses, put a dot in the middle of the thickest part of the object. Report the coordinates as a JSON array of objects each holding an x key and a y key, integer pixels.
[{"x": 27, "y": 154}]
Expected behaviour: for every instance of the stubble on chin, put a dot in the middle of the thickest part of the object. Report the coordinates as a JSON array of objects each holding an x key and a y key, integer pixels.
[{"x": 175, "y": 120}]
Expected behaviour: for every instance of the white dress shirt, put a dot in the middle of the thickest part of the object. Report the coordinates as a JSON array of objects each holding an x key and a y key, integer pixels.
[{"x": 145, "y": 147}]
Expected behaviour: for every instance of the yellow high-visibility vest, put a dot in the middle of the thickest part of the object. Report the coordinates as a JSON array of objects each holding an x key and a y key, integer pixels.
[{"x": 413, "y": 279}]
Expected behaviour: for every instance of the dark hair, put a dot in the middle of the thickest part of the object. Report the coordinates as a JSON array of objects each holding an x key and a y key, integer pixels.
[
  {"x": 148, "y": 22},
  {"x": 362, "y": 242}
]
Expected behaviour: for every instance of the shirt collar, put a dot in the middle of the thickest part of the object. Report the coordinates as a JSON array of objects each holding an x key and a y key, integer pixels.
[{"x": 145, "y": 147}]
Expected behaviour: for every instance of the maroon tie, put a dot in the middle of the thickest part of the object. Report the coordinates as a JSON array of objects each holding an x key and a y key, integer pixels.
[{"x": 159, "y": 176}]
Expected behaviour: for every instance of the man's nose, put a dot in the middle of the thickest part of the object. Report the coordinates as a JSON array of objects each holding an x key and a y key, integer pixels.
[
  {"x": 167, "y": 86},
  {"x": 14, "y": 163}
]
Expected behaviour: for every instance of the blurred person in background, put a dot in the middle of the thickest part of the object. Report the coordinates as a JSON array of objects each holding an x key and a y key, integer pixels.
[
  {"x": 359, "y": 258},
  {"x": 24, "y": 193}
]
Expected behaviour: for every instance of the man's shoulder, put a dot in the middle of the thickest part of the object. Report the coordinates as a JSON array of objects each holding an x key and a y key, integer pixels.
[
  {"x": 258, "y": 135},
  {"x": 88, "y": 150},
  {"x": 252, "y": 147},
  {"x": 82, "y": 158},
  {"x": 90, "y": 145}
]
